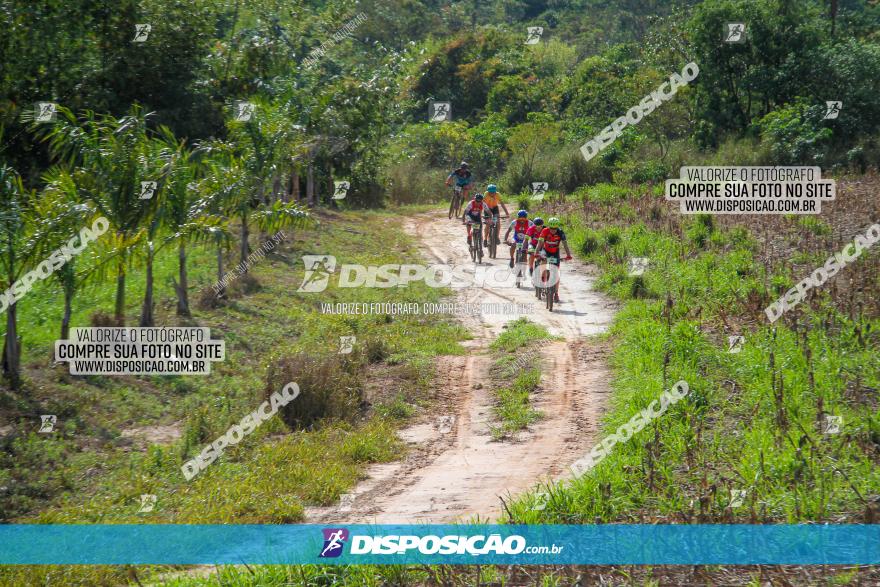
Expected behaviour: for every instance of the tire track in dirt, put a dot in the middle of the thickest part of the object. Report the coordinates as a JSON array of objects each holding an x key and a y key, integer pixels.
[{"x": 455, "y": 470}]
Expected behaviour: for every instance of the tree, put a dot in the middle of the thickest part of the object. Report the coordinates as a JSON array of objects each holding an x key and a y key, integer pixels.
[{"x": 110, "y": 159}]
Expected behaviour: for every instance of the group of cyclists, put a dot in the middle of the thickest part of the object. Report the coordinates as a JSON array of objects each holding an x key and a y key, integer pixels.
[{"x": 544, "y": 240}]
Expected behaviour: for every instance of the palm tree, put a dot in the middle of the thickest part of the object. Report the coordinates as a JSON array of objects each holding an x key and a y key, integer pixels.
[
  {"x": 31, "y": 227},
  {"x": 110, "y": 159}
]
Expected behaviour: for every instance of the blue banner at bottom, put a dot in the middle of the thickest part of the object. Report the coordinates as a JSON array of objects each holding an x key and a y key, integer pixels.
[{"x": 167, "y": 544}]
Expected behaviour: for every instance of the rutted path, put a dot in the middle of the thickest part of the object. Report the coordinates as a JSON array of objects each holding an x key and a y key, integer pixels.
[{"x": 455, "y": 471}]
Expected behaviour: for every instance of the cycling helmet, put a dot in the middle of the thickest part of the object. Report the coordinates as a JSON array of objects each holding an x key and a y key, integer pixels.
[
  {"x": 538, "y": 221},
  {"x": 463, "y": 164},
  {"x": 492, "y": 188},
  {"x": 522, "y": 214},
  {"x": 553, "y": 223},
  {"x": 478, "y": 197}
]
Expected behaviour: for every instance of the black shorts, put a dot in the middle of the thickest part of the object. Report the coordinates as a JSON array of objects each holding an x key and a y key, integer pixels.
[
  {"x": 494, "y": 211},
  {"x": 554, "y": 255}
]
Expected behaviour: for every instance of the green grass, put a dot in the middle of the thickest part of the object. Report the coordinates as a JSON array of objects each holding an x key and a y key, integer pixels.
[
  {"x": 519, "y": 363},
  {"x": 89, "y": 473},
  {"x": 739, "y": 428}
]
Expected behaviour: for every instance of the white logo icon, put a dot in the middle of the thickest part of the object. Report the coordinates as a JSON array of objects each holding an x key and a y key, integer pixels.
[
  {"x": 141, "y": 32},
  {"x": 47, "y": 423},
  {"x": 737, "y": 497},
  {"x": 534, "y": 35},
  {"x": 346, "y": 501},
  {"x": 148, "y": 188},
  {"x": 539, "y": 188},
  {"x": 148, "y": 502},
  {"x": 445, "y": 424},
  {"x": 832, "y": 424},
  {"x": 735, "y": 343},
  {"x": 346, "y": 344},
  {"x": 542, "y": 501},
  {"x": 638, "y": 265},
  {"x": 340, "y": 189},
  {"x": 440, "y": 111},
  {"x": 832, "y": 109},
  {"x": 45, "y": 111},
  {"x": 244, "y": 111},
  {"x": 318, "y": 270},
  {"x": 735, "y": 32}
]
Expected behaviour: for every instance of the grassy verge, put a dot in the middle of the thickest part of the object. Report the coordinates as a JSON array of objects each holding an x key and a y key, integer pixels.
[
  {"x": 750, "y": 443},
  {"x": 105, "y": 455},
  {"x": 520, "y": 363}
]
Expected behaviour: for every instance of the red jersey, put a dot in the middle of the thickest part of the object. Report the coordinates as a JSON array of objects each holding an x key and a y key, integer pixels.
[{"x": 551, "y": 241}]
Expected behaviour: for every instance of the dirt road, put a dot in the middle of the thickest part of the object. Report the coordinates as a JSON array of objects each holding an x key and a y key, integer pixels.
[{"x": 455, "y": 470}]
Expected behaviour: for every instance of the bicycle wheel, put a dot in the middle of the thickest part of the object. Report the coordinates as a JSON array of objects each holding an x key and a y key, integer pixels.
[
  {"x": 551, "y": 294},
  {"x": 493, "y": 246}
]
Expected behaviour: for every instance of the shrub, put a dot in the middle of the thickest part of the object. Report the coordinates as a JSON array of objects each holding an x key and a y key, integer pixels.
[
  {"x": 589, "y": 245},
  {"x": 612, "y": 236},
  {"x": 330, "y": 387}
]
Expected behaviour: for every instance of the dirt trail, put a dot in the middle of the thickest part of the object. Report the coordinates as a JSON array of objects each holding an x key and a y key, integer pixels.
[{"x": 455, "y": 470}]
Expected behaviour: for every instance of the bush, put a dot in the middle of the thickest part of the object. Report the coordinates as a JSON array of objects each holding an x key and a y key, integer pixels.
[
  {"x": 795, "y": 134},
  {"x": 612, "y": 236},
  {"x": 330, "y": 387},
  {"x": 589, "y": 245}
]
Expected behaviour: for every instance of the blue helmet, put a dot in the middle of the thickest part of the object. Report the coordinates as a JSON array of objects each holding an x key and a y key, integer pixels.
[
  {"x": 492, "y": 188},
  {"x": 539, "y": 221},
  {"x": 522, "y": 214}
]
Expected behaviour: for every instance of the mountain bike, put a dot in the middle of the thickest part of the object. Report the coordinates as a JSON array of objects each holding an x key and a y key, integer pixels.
[
  {"x": 455, "y": 204},
  {"x": 476, "y": 246},
  {"x": 552, "y": 289},
  {"x": 494, "y": 238},
  {"x": 520, "y": 258}
]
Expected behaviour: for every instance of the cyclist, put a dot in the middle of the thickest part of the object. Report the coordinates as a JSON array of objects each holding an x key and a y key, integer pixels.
[
  {"x": 471, "y": 214},
  {"x": 519, "y": 228},
  {"x": 533, "y": 232},
  {"x": 493, "y": 200},
  {"x": 548, "y": 246},
  {"x": 463, "y": 178}
]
